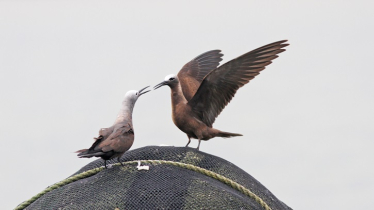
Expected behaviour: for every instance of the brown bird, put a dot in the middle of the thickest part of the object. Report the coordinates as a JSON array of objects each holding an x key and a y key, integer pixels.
[
  {"x": 201, "y": 90},
  {"x": 117, "y": 139}
]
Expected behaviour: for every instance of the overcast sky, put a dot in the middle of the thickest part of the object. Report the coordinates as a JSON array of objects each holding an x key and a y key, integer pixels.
[{"x": 307, "y": 119}]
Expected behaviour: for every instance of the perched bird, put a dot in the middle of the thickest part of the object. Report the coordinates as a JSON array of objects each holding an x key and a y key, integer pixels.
[
  {"x": 201, "y": 90},
  {"x": 117, "y": 139}
]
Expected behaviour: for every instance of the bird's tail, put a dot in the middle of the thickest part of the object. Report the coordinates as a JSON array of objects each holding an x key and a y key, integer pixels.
[
  {"x": 82, "y": 151},
  {"x": 227, "y": 134},
  {"x": 85, "y": 153}
]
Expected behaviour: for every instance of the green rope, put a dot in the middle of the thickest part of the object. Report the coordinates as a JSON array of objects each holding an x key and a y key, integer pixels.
[
  {"x": 94, "y": 171},
  {"x": 60, "y": 184}
]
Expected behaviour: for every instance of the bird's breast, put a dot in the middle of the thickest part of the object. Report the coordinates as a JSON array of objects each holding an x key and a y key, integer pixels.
[{"x": 183, "y": 118}]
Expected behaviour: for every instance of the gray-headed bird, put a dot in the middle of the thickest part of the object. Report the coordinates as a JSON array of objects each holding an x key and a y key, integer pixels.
[
  {"x": 117, "y": 139},
  {"x": 201, "y": 90}
]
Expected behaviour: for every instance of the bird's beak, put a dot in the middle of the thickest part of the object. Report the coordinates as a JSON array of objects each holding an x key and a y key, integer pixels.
[
  {"x": 141, "y": 93},
  {"x": 159, "y": 85}
]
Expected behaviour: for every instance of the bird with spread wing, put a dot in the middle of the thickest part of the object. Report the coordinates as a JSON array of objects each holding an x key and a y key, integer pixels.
[{"x": 201, "y": 89}]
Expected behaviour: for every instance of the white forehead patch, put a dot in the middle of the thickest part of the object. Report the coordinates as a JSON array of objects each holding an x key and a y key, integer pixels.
[
  {"x": 169, "y": 76},
  {"x": 131, "y": 93}
]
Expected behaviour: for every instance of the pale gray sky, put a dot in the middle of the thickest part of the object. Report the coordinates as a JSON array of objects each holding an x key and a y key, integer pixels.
[{"x": 307, "y": 120}]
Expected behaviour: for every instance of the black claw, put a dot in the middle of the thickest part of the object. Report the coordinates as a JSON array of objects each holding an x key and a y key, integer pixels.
[{"x": 120, "y": 162}]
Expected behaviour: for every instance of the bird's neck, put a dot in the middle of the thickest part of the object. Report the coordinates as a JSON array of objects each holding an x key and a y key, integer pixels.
[
  {"x": 177, "y": 95},
  {"x": 125, "y": 113}
]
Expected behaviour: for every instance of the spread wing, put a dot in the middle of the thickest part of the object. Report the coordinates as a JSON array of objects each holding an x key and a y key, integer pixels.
[
  {"x": 191, "y": 75},
  {"x": 221, "y": 84}
]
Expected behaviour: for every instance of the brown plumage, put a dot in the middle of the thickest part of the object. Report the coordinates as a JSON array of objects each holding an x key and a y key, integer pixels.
[
  {"x": 201, "y": 90},
  {"x": 117, "y": 139}
]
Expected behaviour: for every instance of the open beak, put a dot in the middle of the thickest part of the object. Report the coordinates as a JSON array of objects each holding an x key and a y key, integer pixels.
[
  {"x": 141, "y": 93},
  {"x": 159, "y": 85}
]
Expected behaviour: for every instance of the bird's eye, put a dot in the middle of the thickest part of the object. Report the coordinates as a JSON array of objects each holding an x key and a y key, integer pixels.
[
  {"x": 136, "y": 93},
  {"x": 171, "y": 79}
]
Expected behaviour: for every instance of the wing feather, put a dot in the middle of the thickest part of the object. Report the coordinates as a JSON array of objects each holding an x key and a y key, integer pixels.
[
  {"x": 119, "y": 139},
  {"x": 116, "y": 138},
  {"x": 191, "y": 75},
  {"x": 220, "y": 85}
]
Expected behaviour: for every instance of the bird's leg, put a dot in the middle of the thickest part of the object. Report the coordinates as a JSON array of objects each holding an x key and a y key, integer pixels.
[
  {"x": 189, "y": 141},
  {"x": 120, "y": 162},
  {"x": 105, "y": 164},
  {"x": 198, "y": 146}
]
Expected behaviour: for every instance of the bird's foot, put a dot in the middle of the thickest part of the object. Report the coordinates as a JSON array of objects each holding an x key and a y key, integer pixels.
[
  {"x": 198, "y": 146},
  {"x": 189, "y": 141}
]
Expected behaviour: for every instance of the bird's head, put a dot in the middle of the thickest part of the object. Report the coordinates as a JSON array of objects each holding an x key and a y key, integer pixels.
[
  {"x": 170, "y": 80},
  {"x": 133, "y": 95}
]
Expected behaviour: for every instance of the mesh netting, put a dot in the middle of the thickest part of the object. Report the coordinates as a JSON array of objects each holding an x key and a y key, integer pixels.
[{"x": 163, "y": 186}]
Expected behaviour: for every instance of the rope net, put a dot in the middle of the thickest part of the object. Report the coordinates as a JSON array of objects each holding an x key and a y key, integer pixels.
[{"x": 178, "y": 178}]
